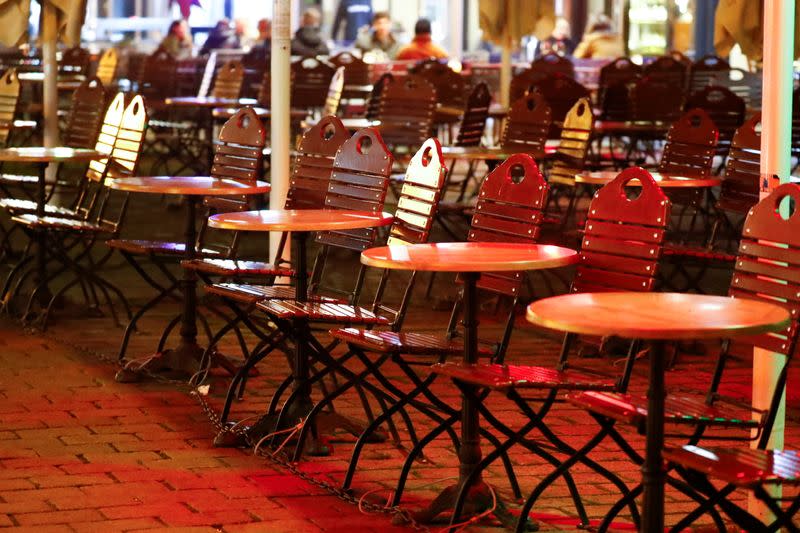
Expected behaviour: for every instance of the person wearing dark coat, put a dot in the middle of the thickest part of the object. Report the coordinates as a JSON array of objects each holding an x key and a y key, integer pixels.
[
  {"x": 222, "y": 36},
  {"x": 354, "y": 14},
  {"x": 308, "y": 39}
]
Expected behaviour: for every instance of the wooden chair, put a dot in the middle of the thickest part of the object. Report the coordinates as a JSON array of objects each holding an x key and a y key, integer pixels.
[
  {"x": 561, "y": 94},
  {"x": 746, "y": 85},
  {"x": 703, "y": 72},
  {"x": 375, "y": 96},
  {"x": 449, "y": 85},
  {"x": 9, "y": 99},
  {"x": 620, "y": 252},
  {"x": 552, "y": 63},
  {"x": 668, "y": 69},
  {"x": 762, "y": 272},
  {"x": 107, "y": 67},
  {"x": 691, "y": 145},
  {"x": 228, "y": 82},
  {"x": 724, "y": 108},
  {"x": 357, "y": 82},
  {"x": 156, "y": 79},
  {"x": 612, "y": 95},
  {"x": 334, "y": 93},
  {"x": 406, "y": 113},
  {"x": 647, "y": 91},
  {"x": 311, "y": 79},
  {"x": 528, "y": 124},
  {"x": 74, "y": 61},
  {"x": 509, "y": 209}
]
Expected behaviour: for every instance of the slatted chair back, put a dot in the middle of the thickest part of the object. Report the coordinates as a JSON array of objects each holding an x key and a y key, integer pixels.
[
  {"x": 552, "y": 63},
  {"x": 157, "y": 76},
  {"x": 9, "y": 99},
  {"x": 85, "y": 114},
  {"x": 741, "y": 186},
  {"x": 310, "y": 81},
  {"x": 528, "y": 124},
  {"x": 228, "y": 83},
  {"x": 376, "y": 95},
  {"x": 313, "y": 164},
  {"x": 561, "y": 93},
  {"x": 703, "y": 71},
  {"x": 669, "y": 69},
  {"x": 725, "y": 109},
  {"x": 359, "y": 181},
  {"x": 691, "y": 145},
  {"x": 574, "y": 145},
  {"x": 613, "y": 97},
  {"x": 449, "y": 85},
  {"x": 522, "y": 81},
  {"x": 74, "y": 61},
  {"x": 420, "y": 195},
  {"x": 623, "y": 237},
  {"x": 189, "y": 76},
  {"x": 406, "y": 112},
  {"x": 334, "y": 93},
  {"x": 427, "y": 65},
  {"x": 510, "y": 208},
  {"x": 356, "y": 71},
  {"x": 265, "y": 90},
  {"x": 107, "y": 66},
  {"x": 473, "y": 121},
  {"x": 656, "y": 100},
  {"x": 255, "y": 63}
]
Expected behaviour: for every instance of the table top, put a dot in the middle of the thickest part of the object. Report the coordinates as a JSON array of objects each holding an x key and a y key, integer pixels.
[
  {"x": 207, "y": 101},
  {"x": 482, "y": 153},
  {"x": 630, "y": 126},
  {"x": 664, "y": 180},
  {"x": 40, "y": 154},
  {"x": 261, "y": 112},
  {"x": 469, "y": 257},
  {"x": 657, "y": 315},
  {"x": 299, "y": 220},
  {"x": 188, "y": 185}
]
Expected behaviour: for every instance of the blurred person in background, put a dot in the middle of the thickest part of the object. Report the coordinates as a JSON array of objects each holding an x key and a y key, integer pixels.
[
  {"x": 307, "y": 39},
  {"x": 558, "y": 42},
  {"x": 178, "y": 42},
  {"x": 600, "y": 40},
  {"x": 421, "y": 47},
  {"x": 378, "y": 39},
  {"x": 222, "y": 36},
  {"x": 354, "y": 15},
  {"x": 264, "y": 39}
]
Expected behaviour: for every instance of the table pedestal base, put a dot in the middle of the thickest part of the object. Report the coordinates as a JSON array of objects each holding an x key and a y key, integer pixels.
[{"x": 178, "y": 363}]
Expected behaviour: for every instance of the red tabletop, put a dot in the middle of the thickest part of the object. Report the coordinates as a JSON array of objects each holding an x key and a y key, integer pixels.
[
  {"x": 482, "y": 153},
  {"x": 299, "y": 220},
  {"x": 40, "y": 154},
  {"x": 664, "y": 180},
  {"x": 657, "y": 315},
  {"x": 469, "y": 257},
  {"x": 188, "y": 185},
  {"x": 207, "y": 101}
]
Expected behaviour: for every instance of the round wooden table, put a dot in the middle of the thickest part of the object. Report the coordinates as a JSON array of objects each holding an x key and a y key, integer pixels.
[
  {"x": 631, "y": 127},
  {"x": 42, "y": 157},
  {"x": 300, "y": 222},
  {"x": 659, "y": 318},
  {"x": 184, "y": 358},
  {"x": 207, "y": 101},
  {"x": 664, "y": 180},
  {"x": 469, "y": 259},
  {"x": 224, "y": 113}
]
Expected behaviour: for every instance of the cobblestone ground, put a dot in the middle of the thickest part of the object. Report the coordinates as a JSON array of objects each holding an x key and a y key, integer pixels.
[{"x": 80, "y": 452}]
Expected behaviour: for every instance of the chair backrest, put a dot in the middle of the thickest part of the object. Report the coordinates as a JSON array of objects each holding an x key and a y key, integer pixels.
[
  {"x": 725, "y": 109},
  {"x": 669, "y": 69},
  {"x": 265, "y": 90},
  {"x": 130, "y": 138},
  {"x": 473, "y": 121},
  {"x": 228, "y": 83},
  {"x": 419, "y": 197},
  {"x": 359, "y": 181},
  {"x": 406, "y": 111},
  {"x": 612, "y": 94},
  {"x": 509, "y": 209},
  {"x": 9, "y": 98},
  {"x": 157, "y": 76},
  {"x": 74, "y": 61},
  {"x": 376, "y": 95},
  {"x": 313, "y": 164},
  {"x": 334, "y": 93},
  {"x": 310, "y": 81},
  {"x": 561, "y": 93},
  {"x": 209, "y": 72},
  {"x": 691, "y": 145},
  {"x": 741, "y": 186},
  {"x": 702, "y": 72},
  {"x": 189, "y": 76},
  {"x": 356, "y": 71},
  {"x": 623, "y": 237},
  {"x": 552, "y": 63},
  {"x": 112, "y": 119},
  {"x": 521, "y": 83},
  {"x": 528, "y": 124},
  {"x": 655, "y": 99},
  {"x": 239, "y": 148},
  {"x": 574, "y": 145},
  {"x": 85, "y": 114},
  {"x": 107, "y": 66},
  {"x": 448, "y": 83}
]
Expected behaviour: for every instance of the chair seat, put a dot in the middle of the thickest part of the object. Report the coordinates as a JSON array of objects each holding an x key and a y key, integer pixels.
[
  {"x": 678, "y": 409},
  {"x": 235, "y": 267},
  {"x": 739, "y": 466},
  {"x": 16, "y": 205},
  {"x": 407, "y": 343},
  {"x": 696, "y": 252},
  {"x": 521, "y": 377},
  {"x": 333, "y": 312},
  {"x": 147, "y": 247},
  {"x": 250, "y": 294},
  {"x": 61, "y": 224}
]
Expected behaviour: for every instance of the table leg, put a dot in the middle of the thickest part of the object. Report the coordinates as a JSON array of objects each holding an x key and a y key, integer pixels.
[{"x": 653, "y": 473}]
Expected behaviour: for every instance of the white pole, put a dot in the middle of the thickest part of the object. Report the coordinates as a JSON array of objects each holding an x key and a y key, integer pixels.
[
  {"x": 280, "y": 141},
  {"x": 455, "y": 32},
  {"x": 776, "y": 130},
  {"x": 49, "y": 36}
]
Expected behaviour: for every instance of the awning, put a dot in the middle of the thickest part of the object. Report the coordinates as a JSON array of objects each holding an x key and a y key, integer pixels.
[
  {"x": 742, "y": 22},
  {"x": 14, "y": 16},
  {"x": 518, "y": 17}
]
